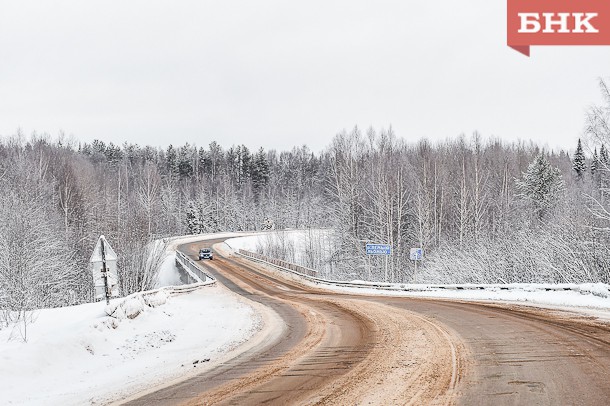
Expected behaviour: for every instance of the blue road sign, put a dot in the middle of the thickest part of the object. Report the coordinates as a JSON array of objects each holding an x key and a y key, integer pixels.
[
  {"x": 416, "y": 254},
  {"x": 378, "y": 249}
]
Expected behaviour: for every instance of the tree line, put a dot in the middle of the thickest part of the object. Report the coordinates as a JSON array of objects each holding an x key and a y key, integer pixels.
[{"x": 483, "y": 210}]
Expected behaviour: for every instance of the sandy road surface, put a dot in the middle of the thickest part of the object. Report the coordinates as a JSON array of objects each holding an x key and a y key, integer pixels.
[{"x": 342, "y": 349}]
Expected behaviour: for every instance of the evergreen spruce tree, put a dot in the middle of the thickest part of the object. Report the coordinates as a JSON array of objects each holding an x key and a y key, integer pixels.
[
  {"x": 260, "y": 170},
  {"x": 244, "y": 162},
  {"x": 185, "y": 162},
  {"x": 579, "y": 163},
  {"x": 594, "y": 162},
  {"x": 113, "y": 154},
  {"x": 603, "y": 157},
  {"x": 171, "y": 159},
  {"x": 232, "y": 164},
  {"x": 99, "y": 147},
  {"x": 193, "y": 218},
  {"x": 603, "y": 168},
  {"x": 210, "y": 222},
  {"x": 540, "y": 185},
  {"x": 202, "y": 157}
]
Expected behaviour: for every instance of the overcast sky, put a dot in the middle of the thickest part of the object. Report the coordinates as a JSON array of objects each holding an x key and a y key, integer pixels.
[{"x": 283, "y": 73}]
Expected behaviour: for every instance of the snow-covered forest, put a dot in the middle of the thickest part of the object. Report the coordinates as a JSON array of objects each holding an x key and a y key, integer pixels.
[{"x": 483, "y": 210}]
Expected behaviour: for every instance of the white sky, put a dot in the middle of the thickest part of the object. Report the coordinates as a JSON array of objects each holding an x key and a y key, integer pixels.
[{"x": 278, "y": 73}]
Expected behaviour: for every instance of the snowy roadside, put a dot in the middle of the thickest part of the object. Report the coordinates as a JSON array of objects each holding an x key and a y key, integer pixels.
[
  {"x": 589, "y": 299},
  {"x": 77, "y": 355},
  {"x": 525, "y": 294}
]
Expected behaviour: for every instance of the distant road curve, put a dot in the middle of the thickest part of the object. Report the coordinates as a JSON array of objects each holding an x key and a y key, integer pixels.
[{"x": 348, "y": 349}]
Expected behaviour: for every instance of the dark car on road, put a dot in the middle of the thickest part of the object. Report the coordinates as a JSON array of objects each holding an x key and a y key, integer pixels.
[{"x": 206, "y": 253}]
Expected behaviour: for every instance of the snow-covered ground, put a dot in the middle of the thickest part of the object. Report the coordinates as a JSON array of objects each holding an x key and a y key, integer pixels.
[
  {"x": 77, "y": 355},
  {"x": 589, "y": 298},
  {"x": 252, "y": 242},
  {"x": 522, "y": 293},
  {"x": 294, "y": 242}
]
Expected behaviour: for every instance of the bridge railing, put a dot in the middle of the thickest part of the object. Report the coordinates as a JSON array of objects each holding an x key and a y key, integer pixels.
[
  {"x": 191, "y": 268},
  {"x": 301, "y": 270},
  {"x": 311, "y": 275}
]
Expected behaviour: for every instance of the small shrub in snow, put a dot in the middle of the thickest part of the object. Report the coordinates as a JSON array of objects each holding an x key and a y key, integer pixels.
[
  {"x": 596, "y": 289},
  {"x": 129, "y": 308},
  {"x": 157, "y": 299},
  {"x": 133, "y": 307},
  {"x": 116, "y": 311}
]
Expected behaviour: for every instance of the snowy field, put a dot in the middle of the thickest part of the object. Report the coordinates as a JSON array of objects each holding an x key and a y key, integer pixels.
[
  {"x": 77, "y": 355},
  {"x": 292, "y": 243},
  {"x": 295, "y": 238},
  {"x": 588, "y": 298}
]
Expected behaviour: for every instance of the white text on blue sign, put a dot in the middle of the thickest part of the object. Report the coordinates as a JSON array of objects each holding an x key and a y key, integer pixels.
[{"x": 378, "y": 249}]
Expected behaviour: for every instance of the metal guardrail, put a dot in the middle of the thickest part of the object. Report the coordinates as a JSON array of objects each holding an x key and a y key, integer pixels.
[
  {"x": 248, "y": 255},
  {"x": 171, "y": 290},
  {"x": 176, "y": 289},
  {"x": 280, "y": 263},
  {"x": 405, "y": 287},
  {"x": 200, "y": 277},
  {"x": 191, "y": 267}
]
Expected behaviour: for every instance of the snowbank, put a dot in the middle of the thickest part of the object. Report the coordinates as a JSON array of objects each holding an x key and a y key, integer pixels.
[
  {"x": 168, "y": 274},
  {"x": 584, "y": 296},
  {"x": 78, "y": 355}
]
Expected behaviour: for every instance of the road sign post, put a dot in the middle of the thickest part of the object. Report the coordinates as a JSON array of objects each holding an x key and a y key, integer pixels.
[
  {"x": 105, "y": 273},
  {"x": 104, "y": 269},
  {"x": 385, "y": 273},
  {"x": 416, "y": 254},
  {"x": 380, "y": 249}
]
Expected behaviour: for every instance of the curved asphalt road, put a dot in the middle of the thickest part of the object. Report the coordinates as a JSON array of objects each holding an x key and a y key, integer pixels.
[{"x": 502, "y": 354}]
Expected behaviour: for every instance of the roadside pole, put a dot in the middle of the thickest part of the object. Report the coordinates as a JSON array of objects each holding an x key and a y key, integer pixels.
[
  {"x": 415, "y": 272},
  {"x": 386, "y": 269},
  {"x": 379, "y": 249},
  {"x": 103, "y": 266},
  {"x": 416, "y": 254},
  {"x": 105, "y": 273}
]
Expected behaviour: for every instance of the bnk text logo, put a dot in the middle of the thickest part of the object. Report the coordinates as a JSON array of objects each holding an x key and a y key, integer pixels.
[{"x": 557, "y": 22}]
